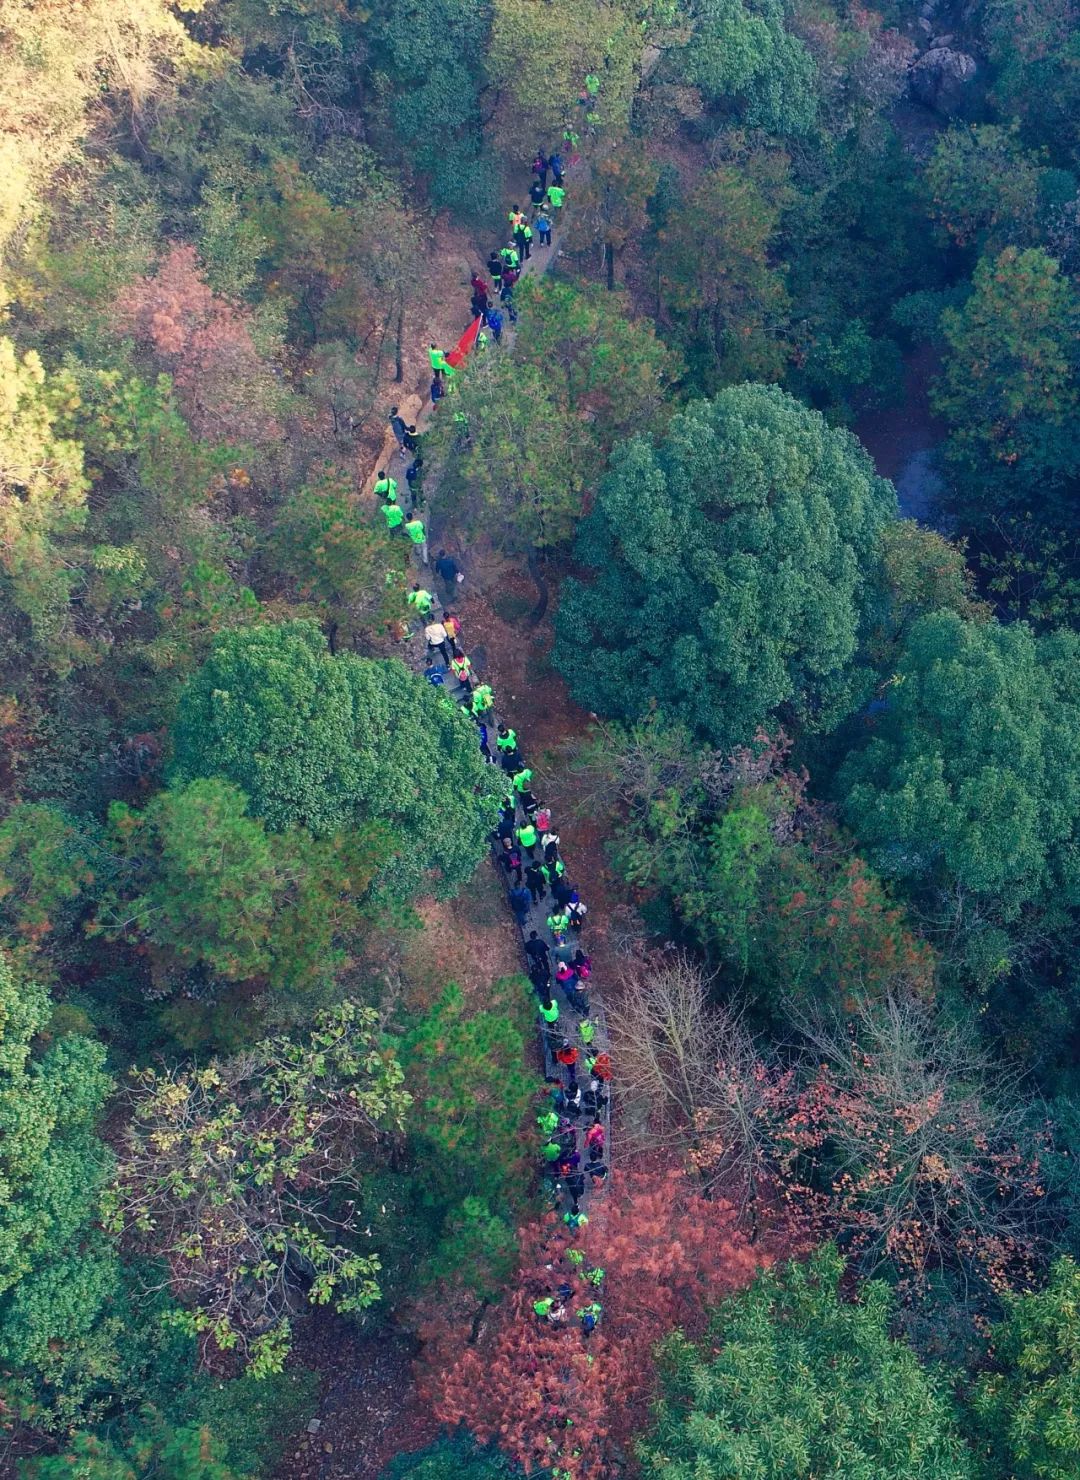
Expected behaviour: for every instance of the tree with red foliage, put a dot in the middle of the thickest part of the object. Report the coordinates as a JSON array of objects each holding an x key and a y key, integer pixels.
[
  {"x": 224, "y": 388},
  {"x": 550, "y": 1397}
]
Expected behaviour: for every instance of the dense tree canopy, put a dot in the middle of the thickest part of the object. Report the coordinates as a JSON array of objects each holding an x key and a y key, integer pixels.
[
  {"x": 971, "y": 780},
  {"x": 738, "y": 571},
  {"x": 328, "y": 743},
  {"x": 795, "y": 1381}
]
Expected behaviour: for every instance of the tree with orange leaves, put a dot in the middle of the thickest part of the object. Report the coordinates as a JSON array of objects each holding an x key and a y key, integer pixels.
[
  {"x": 654, "y": 1254},
  {"x": 224, "y": 387}
]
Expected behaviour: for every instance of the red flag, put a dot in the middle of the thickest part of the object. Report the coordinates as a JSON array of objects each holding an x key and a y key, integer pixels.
[{"x": 467, "y": 342}]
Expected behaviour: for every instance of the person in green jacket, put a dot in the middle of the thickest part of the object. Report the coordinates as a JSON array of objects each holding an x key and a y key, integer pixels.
[
  {"x": 526, "y": 836},
  {"x": 550, "y": 1013},
  {"x": 418, "y": 534},
  {"x": 422, "y": 600},
  {"x": 439, "y": 365},
  {"x": 543, "y": 1307},
  {"x": 521, "y": 780},
  {"x": 551, "y": 1151},
  {"x": 483, "y": 698},
  {"x": 558, "y": 923},
  {"x": 507, "y": 739},
  {"x": 548, "y": 1122},
  {"x": 386, "y": 487},
  {"x": 556, "y": 195},
  {"x": 395, "y": 515}
]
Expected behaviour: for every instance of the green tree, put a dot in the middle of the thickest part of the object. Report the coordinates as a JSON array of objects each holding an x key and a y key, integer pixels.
[
  {"x": 430, "y": 57},
  {"x": 49, "y": 863},
  {"x": 42, "y": 490},
  {"x": 737, "y": 571},
  {"x": 717, "y": 274},
  {"x": 971, "y": 782},
  {"x": 186, "y": 1453},
  {"x": 467, "y": 1127},
  {"x": 985, "y": 187},
  {"x": 742, "y": 55},
  {"x": 795, "y": 1382},
  {"x": 532, "y": 430},
  {"x": 236, "y": 1175},
  {"x": 1025, "y": 1412},
  {"x": 1009, "y": 388},
  {"x": 333, "y": 743},
  {"x": 57, "y": 1270},
  {"x": 325, "y": 546},
  {"x": 449, "y": 1459},
  {"x": 539, "y": 56}
]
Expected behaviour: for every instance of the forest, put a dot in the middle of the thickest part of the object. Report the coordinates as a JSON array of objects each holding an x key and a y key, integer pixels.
[{"x": 744, "y": 1144}]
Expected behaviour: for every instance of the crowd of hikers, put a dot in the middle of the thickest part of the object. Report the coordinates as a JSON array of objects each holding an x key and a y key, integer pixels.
[{"x": 573, "y": 1124}]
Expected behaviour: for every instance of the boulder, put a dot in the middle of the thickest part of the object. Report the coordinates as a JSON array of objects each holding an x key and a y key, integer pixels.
[{"x": 939, "y": 77}]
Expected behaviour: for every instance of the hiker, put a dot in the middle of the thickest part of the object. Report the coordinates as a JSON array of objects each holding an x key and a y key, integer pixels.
[
  {"x": 526, "y": 836},
  {"x": 435, "y": 674},
  {"x": 560, "y": 889},
  {"x": 550, "y": 841},
  {"x": 556, "y": 169},
  {"x": 446, "y": 568},
  {"x": 510, "y": 861},
  {"x": 414, "y": 528},
  {"x": 567, "y": 1055},
  {"x": 549, "y": 1010},
  {"x": 435, "y": 633},
  {"x": 452, "y": 623},
  {"x": 565, "y": 976},
  {"x": 556, "y": 196},
  {"x": 412, "y": 478},
  {"x": 537, "y": 950},
  {"x": 589, "y": 1316},
  {"x": 548, "y": 1121},
  {"x": 397, "y": 426},
  {"x": 582, "y": 964},
  {"x": 520, "y": 783},
  {"x": 574, "y": 1221},
  {"x": 495, "y": 324},
  {"x": 543, "y": 228},
  {"x": 577, "y": 909},
  {"x": 575, "y": 1186},
  {"x": 516, "y": 217},
  {"x": 422, "y": 600},
  {"x": 600, "y": 1067},
  {"x": 587, "y": 1029},
  {"x": 597, "y": 1171},
  {"x": 543, "y": 820},
  {"x": 540, "y": 167},
  {"x": 523, "y": 236},
  {"x": 436, "y": 390},
  {"x": 534, "y": 880},
  {"x": 461, "y": 668},
  {"x": 507, "y": 740},
  {"x": 520, "y": 901},
  {"x": 571, "y": 1100},
  {"x": 506, "y": 292},
  {"x": 511, "y": 261},
  {"x": 557, "y": 922},
  {"x": 482, "y": 700},
  {"x": 439, "y": 365},
  {"x": 385, "y": 488},
  {"x": 594, "y": 1136},
  {"x": 537, "y": 190},
  {"x": 395, "y": 515},
  {"x": 481, "y": 297}
]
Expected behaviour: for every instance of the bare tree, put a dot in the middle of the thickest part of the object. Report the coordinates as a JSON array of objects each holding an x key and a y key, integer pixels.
[
  {"x": 692, "y": 1078},
  {"x": 918, "y": 1141}
]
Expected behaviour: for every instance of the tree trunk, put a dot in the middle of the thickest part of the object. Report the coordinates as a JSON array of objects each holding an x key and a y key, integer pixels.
[
  {"x": 609, "y": 259},
  {"x": 474, "y": 1334},
  {"x": 536, "y": 616},
  {"x": 399, "y": 372},
  {"x": 331, "y": 639}
]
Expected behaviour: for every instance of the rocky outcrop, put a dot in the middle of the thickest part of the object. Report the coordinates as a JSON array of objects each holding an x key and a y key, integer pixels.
[{"x": 939, "y": 79}]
